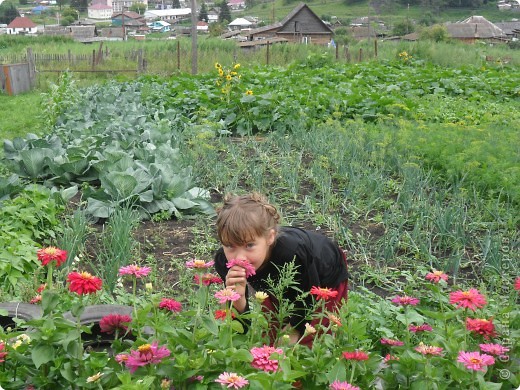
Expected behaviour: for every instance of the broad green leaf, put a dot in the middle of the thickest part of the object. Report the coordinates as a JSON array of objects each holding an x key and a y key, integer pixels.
[{"x": 42, "y": 354}]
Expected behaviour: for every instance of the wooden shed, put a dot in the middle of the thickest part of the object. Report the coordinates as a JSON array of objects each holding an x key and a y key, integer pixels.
[{"x": 301, "y": 25}]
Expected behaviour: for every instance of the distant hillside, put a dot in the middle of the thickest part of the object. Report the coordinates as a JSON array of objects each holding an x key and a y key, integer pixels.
[{"x": 389, "y": 12}]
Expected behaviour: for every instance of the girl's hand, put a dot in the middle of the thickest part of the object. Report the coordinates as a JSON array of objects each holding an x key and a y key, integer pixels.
[{"x": 236, "y": 279}]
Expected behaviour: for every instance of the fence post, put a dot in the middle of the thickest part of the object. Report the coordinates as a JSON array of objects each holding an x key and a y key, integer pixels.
[
  {"x": 375, "y": 47},
  {"x": 93, "y": 59},
  {"x": 32, "y": 66},
  {"x": 100, "y": 53},
  {"x": 267, "y": 54},
  {"x": 360, "y": 54},
  {"x": 337, "y": 52},
  {"x": 347, "y": 54},
  {"x": 178, "y": 56},
  {"x": 140, "y": 61}
]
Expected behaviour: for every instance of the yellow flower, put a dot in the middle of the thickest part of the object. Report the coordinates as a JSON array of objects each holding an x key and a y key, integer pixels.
[
  {"x": 165, "y": 384},
  {"x": 260, "y": 296},
  {"x": 249, "y": 92},
  {"x": 217, "y": 65},
  {"x": 94, "y": 378},
  {"x": 228, "y": 77},
  {"x": 148, "y": 286},
  {"x": 233, "y": 73},
  {"x": 236, "y": 66},
  {"x": 220, "y": 72}
]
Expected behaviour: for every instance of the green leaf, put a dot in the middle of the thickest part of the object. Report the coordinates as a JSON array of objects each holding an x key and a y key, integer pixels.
[
  {"x": 34, "y": 161},
  {"x": 42, "y": 354},
  {"x": 50, "y": 299}
]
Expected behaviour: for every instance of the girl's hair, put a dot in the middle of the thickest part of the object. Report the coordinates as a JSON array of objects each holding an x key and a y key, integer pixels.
[{"x": 244, "y": 218}]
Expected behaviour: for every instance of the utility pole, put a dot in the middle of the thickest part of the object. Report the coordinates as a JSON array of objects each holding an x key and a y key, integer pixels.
[{"x": 194, "y": 64}]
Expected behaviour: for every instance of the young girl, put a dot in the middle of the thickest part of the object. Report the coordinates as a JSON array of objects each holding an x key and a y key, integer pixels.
[{"x": 248, "y": 229}]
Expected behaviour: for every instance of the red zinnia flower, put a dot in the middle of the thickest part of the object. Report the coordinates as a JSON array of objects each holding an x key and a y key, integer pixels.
[
  {"x": 517, "y": 284},
  {"x": 250, "y": 269},
  {"x": 83, "y": 283},
  {"x": 405, "y": 301},
  {"x": 481, "y": 326},
  {"x": 262, "y": 358},
  {"x": 221, "y": 314},
  {"x": 112, "y": 322},
  {"x": 207, "y": 279},
  {"x": 170, "y": 304},
  {"x": 420, "y": 328},
  {"x": 51, "y": 253},
  {"x": 2, "y": 354},
  {"x": 396, "y": 343},
  {"x": 146, "y": 354},
  {"x": 470, "y": 299},
  {"x": 41, "y": 288},
  {"x": 475, "y": 361},
  {"x": 134, "y": 270},
  {"x": 494, "y": 349},
  {"x": 436, "y": 276},
  {"x": 323, "y": 293},
  {"x": 36, "y": 299},
  {"x": 356, "y": 355}
]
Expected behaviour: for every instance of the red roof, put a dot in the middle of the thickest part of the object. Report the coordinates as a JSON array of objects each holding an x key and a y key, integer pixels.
[
  {"x": 202, "y": 23},
  {"x": 21, "y": 22}
]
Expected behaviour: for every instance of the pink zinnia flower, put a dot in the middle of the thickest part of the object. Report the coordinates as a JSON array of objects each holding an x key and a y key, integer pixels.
[
  {"x": 134, "y": 270},
  {"x": 389, "y": 357},
  {"x": 51, "y": 253},
  {"x": 227, "y": 295},
  {"x": 323, "y": 293},
  {"x": 517, "y": 284},
  {"x": 146, "y": 354},
  {"x": 392, "y": 342},
  {"x": 470, "y": 299},
  {"x": 428, "y": 350},
  {"x": 420, "y": 328},
  {"x": 199, "y": 264},
  {"x": 337, "y": 385},
  {"x": 494, "y": 349},
  {"x": 481, "y": 326},
  {"x": 112, "y": 322},
  {"x": 356, "y": 355},
  {"x": 262, "y": 360},
  {"x": 405, "y": 301},
  {"x": 232, "y": 380},
  {"x": 250, "y": 270},
  {"x": 171, "y": 305},
  {"x": 207, "y": 279},
  {"x": 41, "y": 288},
  {"x": 37, "y": 299},
  {"x": 121, "y": 358},
  {"x": 83, "y": 283},
  {"x": 475, "y": 361},
  {"x": 436, "y": 276},
  {"x": 2, "y": 353}
]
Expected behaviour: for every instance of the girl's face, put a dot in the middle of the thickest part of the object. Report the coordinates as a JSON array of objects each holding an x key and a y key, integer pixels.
[{"x": 256, "y": 251}]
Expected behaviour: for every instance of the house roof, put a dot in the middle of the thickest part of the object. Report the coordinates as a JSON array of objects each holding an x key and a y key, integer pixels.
[
  {"x": 473, "y": 30},
  {"x": 299, "y": 8},
  {"x": 21, "y": 22},
  {"x": 80, "y": 33},
  {"x": 99, "y": 6},
  {"x": 483, "y": 27},
  {"x": 157, "y": 13},
  {"x": 240, "y": 22},
  {"x": 508, "y": 27},
  {"x": 128, "y": 14}
]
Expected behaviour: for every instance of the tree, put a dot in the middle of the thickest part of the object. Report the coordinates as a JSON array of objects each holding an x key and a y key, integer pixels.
[
  {"x": 403, "y": 27},
  {"x": 225, "y": 12},
  {"x": 140, "y": 8},
  {"x": 203, "y": 12},
  {"x": 80, "y": 5},
  {"x": 436, "y": 33},
  {"x": 216, "y": 29},
  {"x": 8, "y": 12},
  {"x": 176, "y": 4}
]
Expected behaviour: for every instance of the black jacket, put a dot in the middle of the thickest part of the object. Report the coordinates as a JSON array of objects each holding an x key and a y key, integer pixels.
[{"x": 319, "y": 262}]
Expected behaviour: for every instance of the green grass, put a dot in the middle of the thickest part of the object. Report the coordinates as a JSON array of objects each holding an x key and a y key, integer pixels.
[{"x": 20, "y": 114}]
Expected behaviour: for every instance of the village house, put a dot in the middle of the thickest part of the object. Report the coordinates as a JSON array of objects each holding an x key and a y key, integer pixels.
[
  {"x": 239, "y": 24},
  {"x": 301, "y": 25},
  {"x": 475, "y": 28},
  {"x": 168, "y": 15},
  {"x": 99, "y": 10},
  {"x": 21, "y": 25}
]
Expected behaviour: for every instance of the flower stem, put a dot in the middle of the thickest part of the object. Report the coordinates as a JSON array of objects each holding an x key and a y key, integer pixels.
[{"x": 49, "y": 275}]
